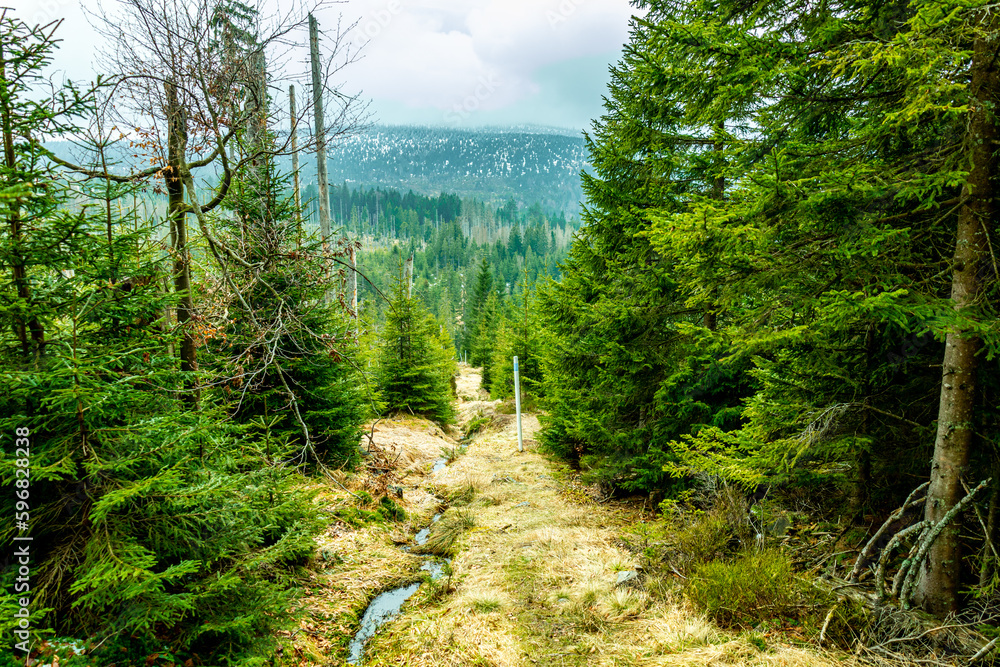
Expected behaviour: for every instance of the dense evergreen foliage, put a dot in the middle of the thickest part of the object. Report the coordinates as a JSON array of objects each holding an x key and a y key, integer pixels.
[
  {"x": 768, "y": 271},
  {"x": 786, "y": 278},
  {"x": 164, "y": 516},
  {"x": 459, "y": 258},
  {"x": 415, "y": 358}
]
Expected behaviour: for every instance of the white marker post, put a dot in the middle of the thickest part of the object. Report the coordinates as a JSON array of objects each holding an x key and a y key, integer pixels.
[{"x": 517, "y": 403}]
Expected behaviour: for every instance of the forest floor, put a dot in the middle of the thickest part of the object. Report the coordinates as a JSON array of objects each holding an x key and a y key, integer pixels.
[{"x": 539, "y": 575}]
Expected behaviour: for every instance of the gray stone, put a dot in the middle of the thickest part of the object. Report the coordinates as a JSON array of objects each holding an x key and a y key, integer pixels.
[{"x": 627, "y": 578}]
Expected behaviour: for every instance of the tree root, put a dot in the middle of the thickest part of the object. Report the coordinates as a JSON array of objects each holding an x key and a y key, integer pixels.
[{"x": 925, "y": 531}]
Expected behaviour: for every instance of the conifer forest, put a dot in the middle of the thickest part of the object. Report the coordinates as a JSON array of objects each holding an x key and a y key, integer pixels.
[{"x": 739, "y": 405}]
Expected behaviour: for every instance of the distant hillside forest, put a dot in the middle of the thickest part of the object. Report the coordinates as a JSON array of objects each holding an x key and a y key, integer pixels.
[
  {"x": 450, "y": 240},
  {"x": 530, "y": 164}
]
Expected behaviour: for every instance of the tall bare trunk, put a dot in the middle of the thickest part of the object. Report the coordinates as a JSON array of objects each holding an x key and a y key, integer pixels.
[
  {"x": 989, "y": 564},
  {"x": 320, "y": 131},
  {"x": 352, "y": 281},
  {"x": 940, "y": 575},
  {"x": 176, "y": 210},
  {"x": 322, "y": 179},
  {"x": 295, "y": 165},
  {"x": 408, "y": 275}
]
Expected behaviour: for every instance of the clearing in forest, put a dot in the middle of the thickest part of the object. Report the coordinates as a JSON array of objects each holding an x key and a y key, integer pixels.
[{"x": 538, "y": 572}]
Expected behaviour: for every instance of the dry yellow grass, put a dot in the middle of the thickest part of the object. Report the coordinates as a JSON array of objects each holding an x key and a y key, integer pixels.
[
  {"x": 354, "y": 564},
  {"x": 534, "y": 583},
  {"x": 533, "y": 580}
]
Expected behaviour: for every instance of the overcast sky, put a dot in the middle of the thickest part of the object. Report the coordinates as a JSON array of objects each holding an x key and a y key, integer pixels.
[{"x": 443, "y": 62}]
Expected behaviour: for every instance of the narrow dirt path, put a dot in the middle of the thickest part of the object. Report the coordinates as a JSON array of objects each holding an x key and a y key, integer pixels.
[{"x": 535, "y": 577}]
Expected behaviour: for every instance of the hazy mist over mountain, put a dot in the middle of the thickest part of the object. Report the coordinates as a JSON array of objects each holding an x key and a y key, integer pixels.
[{"x": 527, "y": 163}]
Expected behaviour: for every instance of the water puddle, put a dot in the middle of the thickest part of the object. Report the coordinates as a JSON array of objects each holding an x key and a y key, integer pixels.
[
  {"x": 421, "y": 536},
  {"x": 438, "y": 465},
  {"x": 435, "y": 567},
  {"x": 386, "y": 605},
  {"x": 383, "y": 608}
]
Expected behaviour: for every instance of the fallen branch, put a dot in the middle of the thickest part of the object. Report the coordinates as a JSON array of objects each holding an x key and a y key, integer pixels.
[
  {"x": 864, "y": 555},
  {"x": 337, "y": 482},
  {"x": 982, "y": 524},
  {"x": 984, "y": 650},
  {"x": 904, "y": 659},
  {"x": 896, "y": 540},
  {"x": 923, "y": 634},
  {"x": 826, "y": 623},
  {"x": 897, "y": 581}
]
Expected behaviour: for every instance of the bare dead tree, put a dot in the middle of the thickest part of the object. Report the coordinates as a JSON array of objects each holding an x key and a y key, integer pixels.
[{"x": 185, "y": 84}]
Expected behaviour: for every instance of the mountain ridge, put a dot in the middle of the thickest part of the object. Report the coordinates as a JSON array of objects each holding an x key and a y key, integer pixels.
[{"x": 528, "y": 164}]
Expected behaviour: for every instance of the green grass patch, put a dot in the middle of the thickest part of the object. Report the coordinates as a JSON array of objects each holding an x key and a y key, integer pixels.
[
  {"x": 748, "y": 590},
  {"x": 445, "y": 534},
  {"x": 367, "y": 511}
]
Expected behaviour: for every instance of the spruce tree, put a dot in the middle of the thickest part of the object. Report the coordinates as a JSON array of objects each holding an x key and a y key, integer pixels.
[
  {"x": 517, "y": 334},
  {"x": 759, "y": 290},
  {"x": 152, "y": 525},
  {"x": 283, "y": 351},
  {"x": 415, "y": 364},
  {"x": 484, "y": 345},
  {"x": 475, "y": 326},
  {"x": 836, "y": 250},
  {"x": 630, "y": 363}
]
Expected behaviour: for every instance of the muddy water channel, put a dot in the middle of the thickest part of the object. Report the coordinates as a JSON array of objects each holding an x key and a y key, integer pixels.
[{"x": 386, "y": 605}]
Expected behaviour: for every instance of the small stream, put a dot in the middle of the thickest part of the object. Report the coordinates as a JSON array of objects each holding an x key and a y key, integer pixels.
[{"x": 386, "y": 605}]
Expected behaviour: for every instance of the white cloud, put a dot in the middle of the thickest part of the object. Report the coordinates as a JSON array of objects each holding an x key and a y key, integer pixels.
[
  {"x": 475, "y": 53},
  {"x": 431, "y": 56}
]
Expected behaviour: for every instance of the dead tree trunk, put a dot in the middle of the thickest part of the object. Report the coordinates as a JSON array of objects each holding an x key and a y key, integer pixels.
[
  {"x": 352, "y": 281},
  {"x": 295, "y": 165},
  {"x": 989, "y": 563},
  {"x": 319, "y": 131},
  {"x": 408, "y": 276},
  {"x": 940, "y": 575},
  {"x": 320, "y": 138}
]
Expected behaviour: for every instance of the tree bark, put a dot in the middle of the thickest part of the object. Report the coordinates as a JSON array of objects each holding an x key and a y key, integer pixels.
[
  {"x": 176, "y": 212},
  {"x": 940, "y": 574},
  {"x": 319, "y": 131},
  {"x": 295, "y": 165}
]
